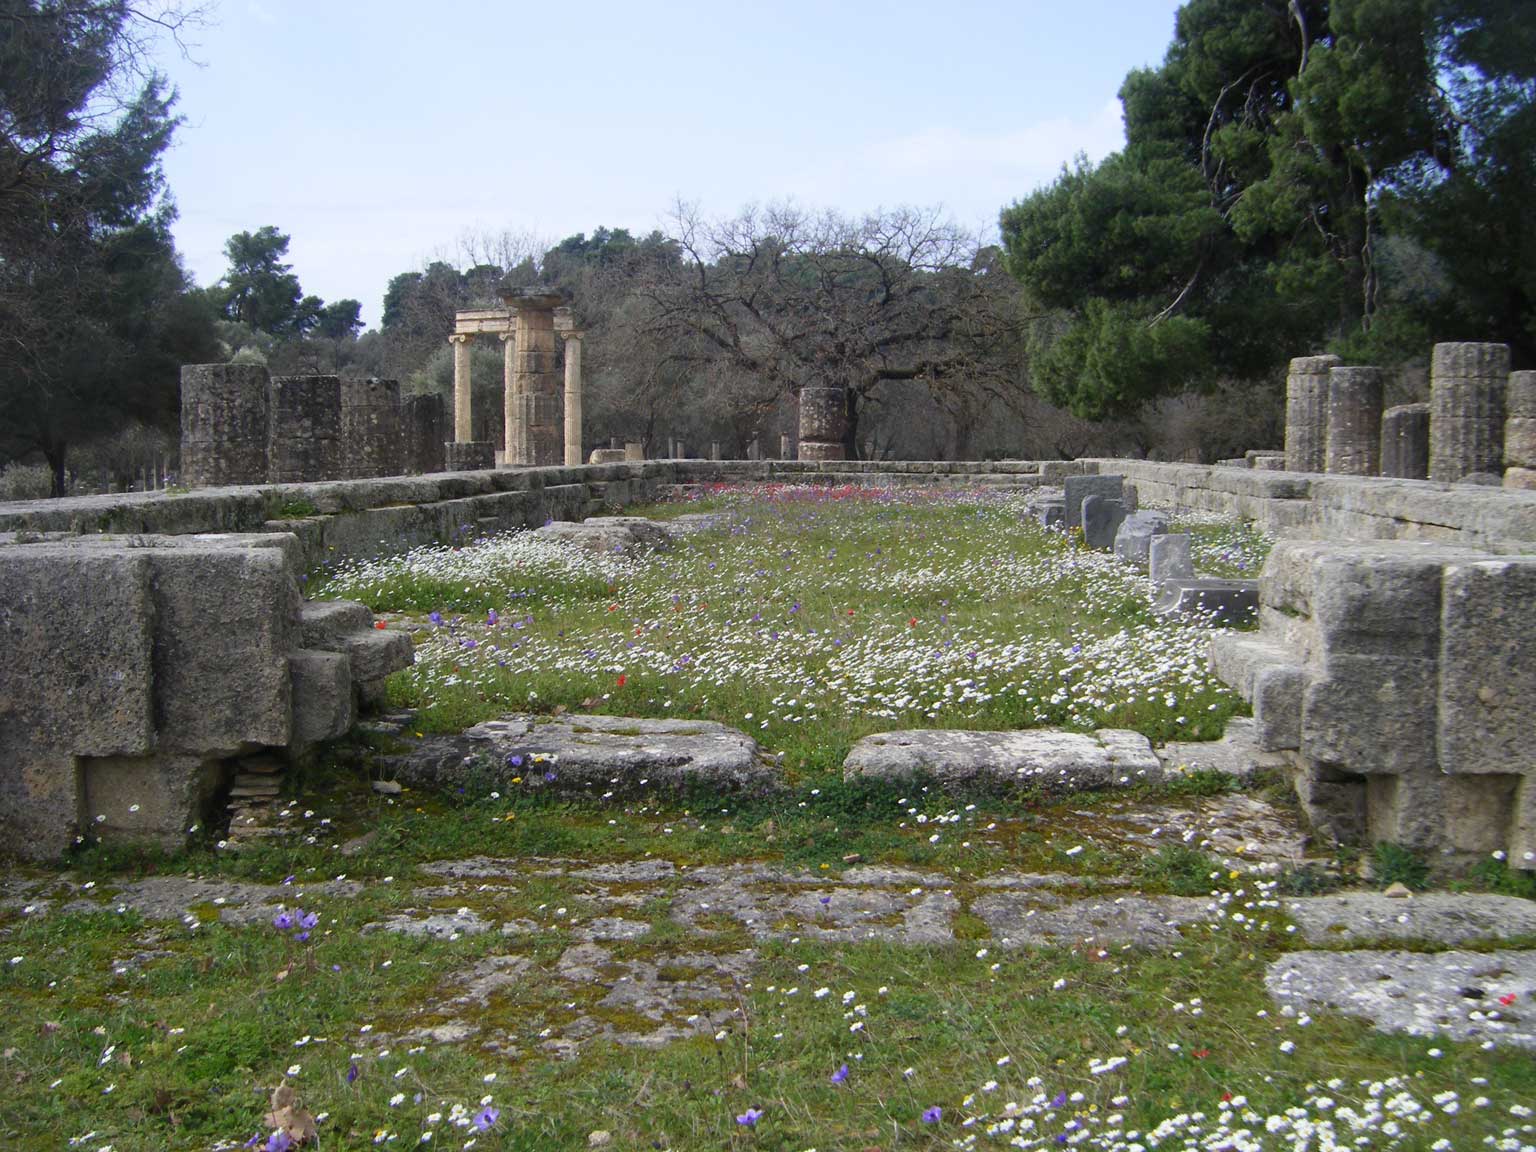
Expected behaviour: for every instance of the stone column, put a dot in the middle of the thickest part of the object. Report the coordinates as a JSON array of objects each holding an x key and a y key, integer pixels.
[
  {"x": 1405, "y": 442},
  {"x": 1354, "y": 421},
  {"x": 463, "y": 398},
  {"x": 536, "y": 386},
  {"x": 1520, "y": 431},
  {"x": 304, "y": 437},
  {"x": 572, "y": 398},
  {"x": 1467, "y": 383},
  {"x": 370, "y": 429},
  {"x": 421, "y": 421},
  {"x": 1306, "y": 413},
  {"x": 786, "y": 446},
  {"x": 469, "y": 456},
  {"x": 224, "y": 413},
  {"x": 823, "y": 422},
  {"x": 511, "y": 414}
]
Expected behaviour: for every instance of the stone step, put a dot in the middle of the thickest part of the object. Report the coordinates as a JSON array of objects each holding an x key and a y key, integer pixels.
[
  {"x": 1046, "y": 757},
  {"x": 325, "y": 621}
]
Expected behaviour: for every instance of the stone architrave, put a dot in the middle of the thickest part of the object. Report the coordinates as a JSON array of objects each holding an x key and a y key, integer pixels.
[
  {"x": 304, "y": 437},
  {"x": 1405, "y": 442},
  {"x": 463, "y": 396},
  {"x": 1467, "y": 383},
  {"x": 1520, "y": 431},
  {"x": 224, "y": 420},
  {"x": 823, "y": 423},
  {"x": 572, "y": 397},
  {"x": 1354, "y": 421},
  {"x": 1306, "y": 413},
  {"x": 536, "y": 384}
]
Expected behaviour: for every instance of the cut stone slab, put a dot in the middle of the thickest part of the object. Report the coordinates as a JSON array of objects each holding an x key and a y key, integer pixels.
[
  {"x": 592, "y": 752},
  {"x": 1045, "y": 757},
  {"x": 1449, "y": 994},
  {"x": 1220, "y": 601},
  {"x": 441, "y": 925},
  {"x": 609, "y": 533},
  {"x": 1133, "y": 539},
  {"x": 1051, "y": 513},
  {"x": 1169, "y": 558},
  {"x": 1102, "y": 518},
  {"x": 1077, "y": 488},
  {"x": 1444, "y": 917},
  {"x": 1033, "y": 919},
  {"x": 1237, "y": 753}
]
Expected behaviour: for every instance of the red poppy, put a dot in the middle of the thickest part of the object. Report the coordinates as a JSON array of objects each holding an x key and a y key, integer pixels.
[{"x": 623, "y": 680}]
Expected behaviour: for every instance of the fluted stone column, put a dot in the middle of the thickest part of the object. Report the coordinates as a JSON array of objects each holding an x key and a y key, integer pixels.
[
  {"x": 511, "y": 413},
  {"x": 1405, "y": 442},
  {"x": 224, "y": 414},
  {"x": 1306, "y": 413},
  {"x": 304, "y": 429},
  {"x": 823, "y": 422},
  {"x": 1467, "y": 383},
  {"x": 463, "y": 397},
  {"x": 572, "y": 398},
  {"x": 1520, "y": 431},
  {"x": 1354, "y": 421}
]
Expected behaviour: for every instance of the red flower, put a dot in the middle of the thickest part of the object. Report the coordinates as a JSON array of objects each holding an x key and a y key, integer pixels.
[
  {"x": 1226, "y": 1097},
  {"x": 912, "y": 623},
  {"x": 1201, "y": 1053},
  {"x": 380, "y": 625},
  {"x": 1507, "y": 999},
  {"x": 623, "y": 680}
]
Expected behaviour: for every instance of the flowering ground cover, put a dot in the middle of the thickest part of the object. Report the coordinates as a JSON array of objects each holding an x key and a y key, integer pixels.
[{"x": 158, "y": 1003}]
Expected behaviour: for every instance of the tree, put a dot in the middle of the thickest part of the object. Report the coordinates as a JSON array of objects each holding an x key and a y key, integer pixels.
[
  {"x": 95, "y": 311},
  {"x": 260, "y": 290}
]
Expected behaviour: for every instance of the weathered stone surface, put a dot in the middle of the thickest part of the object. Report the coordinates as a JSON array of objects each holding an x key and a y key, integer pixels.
[
  {"x": 1354, "y": 421},
  {"x": 371, "y": 443},
  {"x": 1046, "y": 758},
  {"x": 224, "y": 418},
  {"x": 324, "y": 622},
  {"x": 1078, "y": 488},
  {"x": 469, "y": 456},
  {"x": 304, "y": 430},
  {"x": 1102, "y": 518},
  {"x": 610, "y": 533},
  {"x": 1168, "y": 557},
  {"x": 1033, "y": 920},
  {"x": 374, "y": 654},
  {"x": 1405, "y": 442},
  {"x": 1467, "y": 385},
  {"x": 154, "y": 799},
  {"x": 1133, "y": 539},
  {"x": 1051, "y": 513},
  {"x": 1279, "y": 693},
  {"x": 1520, "y": 431},
  {"x": 1306, "y": 413},
  {"x": 607, "y": 456},
  {"x": 1449, "y": 994},
  {"x": 823, "y": 421},
  {"x": 1443, "y": 917},
  {"x": 1487, "y": 700},
  {"x": 323, "y": 705},
  {"x": 602, "y": 752},
  {"x": 1373, "y": 714},
  {"x": 1238, "y": 753},
  {"x": 423, "y": 428},
  {"x": 1214, "y": 600}
]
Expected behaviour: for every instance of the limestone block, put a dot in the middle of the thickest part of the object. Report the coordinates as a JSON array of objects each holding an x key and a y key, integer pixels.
[
  {"x": 323, "y": 707},
  {"x": 1354, "y": 421},
  {"x": 606, "y": 456},
  {"x": 1051, "y": 513},
  {"x": 374, "y": 654},
  {"x": 1334, "y": 807},
  {"x": 1215, "y": 601},
  {"x": 1405, "y": 442},
  {"x": 1371, "y": 715},
  {"x": 1382, "y": 600},
  {"x": 469, "y": 456},
  {"x": 823, "y": 414},
  {"x": 1168, "y": 557},
  {"x": 634, "y": 450},
  {"x": 1306, "y": 413},
  {"x": 325, "y": 621},
  {"x": 1079, "y": 487},
  {"x": 1133, "y": 539},
  {"x": 304, "y": 434},
  {"x": 1467, "y": 387},
  {"x": 1488, "y": 667},
  {"x": 370, "y": 429},
  {"x": 1520, "y": 428},
  {"x": 814, "y": 450},
  {"x": 423, "y": 424},
  {"x": 1046, "y": 758},
  {"x": 157, "y": 799},
  {"x": 1522, "y": 479},
  {"x": 1407, "y": 809},
  {"x": 1278, "y": 693},
  {"x": 1237, "y": 659},
  {"x": 605, "y": 534},
  {"x": 1268, "y": 462},
  {"x": 1478, "y": 813},
  {"x": 1102, "y": 518}
]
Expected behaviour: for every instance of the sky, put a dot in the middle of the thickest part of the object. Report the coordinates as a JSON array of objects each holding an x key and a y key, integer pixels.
[{"x": 377, "y": 135}]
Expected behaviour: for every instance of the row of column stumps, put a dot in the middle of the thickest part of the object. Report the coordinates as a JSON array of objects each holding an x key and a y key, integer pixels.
[{"x": 1479, "y": 425}]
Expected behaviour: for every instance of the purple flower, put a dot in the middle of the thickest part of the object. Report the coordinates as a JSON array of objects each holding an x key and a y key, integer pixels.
[
  {"x": 491, "y": 617},
  {"x": 1060, "y": 1099},
  {"x": 283, "y": 921},
  {"x": 308, "y": 919},
  {"x": 515, "y": 760},
  {"x": 750, "y": 1117},
  {"x": 352, "y": 1074},
  {"x": 279, "y": 1141},
  {"x": 933, "y": 1115},
  {"x": 486, "y": 1117},
  {"x": 840, "y": 1075},
  {"x": 435, "y": 617},
  {"x": 825, "y": 901},
  {"x": 301, "y": 937},
  {"x": 549, "y": 777}
]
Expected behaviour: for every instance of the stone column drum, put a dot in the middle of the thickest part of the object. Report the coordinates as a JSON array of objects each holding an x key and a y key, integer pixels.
[
  {"x": 1467, "y": 383},
  {"x": 304, "y": 432},
  {"x": 1354, "y": 421},
  {"x": 1405, "y": 442},
  {"x": 823, "y": 423},
  {"x": 469, "y": 456},
  {"x": 224, "y": 415},
  {"x": 1520, "y": 431},
  {"x": 572, "y": 398},
  {"x": 1306, "y": 413},
  {"x": 536, "y": 385},
  {"x": 463, "y": 396},
  {"x": 421, "y": 431},
  {"x": 370, "y": 429}
]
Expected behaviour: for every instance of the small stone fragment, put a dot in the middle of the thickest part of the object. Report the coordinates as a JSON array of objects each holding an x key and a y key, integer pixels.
[{"x": 1397, "y": 891}]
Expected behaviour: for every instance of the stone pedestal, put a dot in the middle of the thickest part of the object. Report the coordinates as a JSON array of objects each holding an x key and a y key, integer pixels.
[
  {"x": 1306, "y": 413},
  {"x": 463, "y": 396},
  {"x": 572, "y": 398},
  {"x": 304, "y": 433},
  {"x": 1405, "y": 442},
  {"x": 634, "y": 450},
  {"x": 370, "y": 429},
  {"x": 1354, "y": 421},
  {"x": 224, "y": 420},
  {"x": 823, "y": 423},
  {"x": 1520, "y": 431},
  {"x": 1467, "y": 383},
  {"x": 469, "y": 456},
  {"x": 421, "y": 432}
]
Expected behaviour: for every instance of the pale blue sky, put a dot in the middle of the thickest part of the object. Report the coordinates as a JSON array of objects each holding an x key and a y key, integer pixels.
[{"x": 377, "y": 134}]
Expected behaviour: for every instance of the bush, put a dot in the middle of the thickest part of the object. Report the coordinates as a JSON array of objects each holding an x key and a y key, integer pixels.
[{"x": 25, "y": 482}]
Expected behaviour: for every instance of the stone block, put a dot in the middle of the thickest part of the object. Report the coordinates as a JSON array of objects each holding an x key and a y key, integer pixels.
[
  {"x": 1045, "y": 758},
  {"x": 607, "y": 456},
  {"x": 157, "y": 799},
  {"x": 1051, "y": 513},
  {"x": 325, "y": 621},
  {"x": 1405, "y": 442},
  {"x": 304, "y": 433},
  {"x": 1333, "y": 805},
  {"x": 323, "y": 706},
  {"x": 1306, "y": 412},
  {"x": 814, "y": 450},
  {"x": 1407, "y": 809},
  {"x": 1079, "y": 487},
  {"x": 1371, "y": 715},
  {"x": 224, "y": 416},
  {"x": 1522, "y": 479},
  {"x": 1168, "y": 557},
  {"x": 376, "y": 653},
  {"x": 1382, "y": 600},
  {"x": 423, "y": 424},
  {"x": 469, "y": 456},
  {"x": 1467, "y": 389},
  {"x": 1216, "y": 601},
  {"x": 1101, "y": 519},
  {"x": 1237, "y": 659},
  {"x": 1354, "y": 421},
  {"x": 1278, "y": 694},
  {"x": 1487, "y": 657},
  {"x": 1133, "y": 539},
  {"x": 371, "y": 442}
]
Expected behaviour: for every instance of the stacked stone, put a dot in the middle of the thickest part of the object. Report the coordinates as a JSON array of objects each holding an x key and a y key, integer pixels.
[
  {"x": 1467, "y": 383},
  {"x": 224, "y": 417},
  {"x": 422, "y": 432},
  {"x": 535, "y": 422},
  {"x": 304, "y": 433},
  {"x": 823, "y": 423},
  {"x": 370, "y": 429},
  {"x": 1405, "y": 442},
  {"x": 469, "y": 456},
  {"x": 1354, "y": 421},
  {"x": 1520, "y": 431},
  {"x": 1306, "y": 413}
]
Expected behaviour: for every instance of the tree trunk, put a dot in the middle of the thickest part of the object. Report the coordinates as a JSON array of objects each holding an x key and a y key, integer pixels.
[
  {"x": 851, "y": 429},
  {"x": 54, "y": 454}
]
